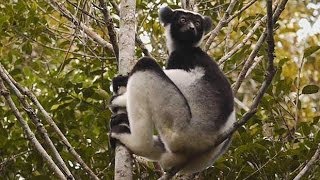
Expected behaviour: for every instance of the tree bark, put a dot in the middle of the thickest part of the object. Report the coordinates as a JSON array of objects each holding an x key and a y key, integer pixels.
[{"x": 123, "y": 160}]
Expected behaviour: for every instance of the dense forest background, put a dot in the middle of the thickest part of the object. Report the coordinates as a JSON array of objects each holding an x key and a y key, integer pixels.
[{"x": 53, "y": 49}]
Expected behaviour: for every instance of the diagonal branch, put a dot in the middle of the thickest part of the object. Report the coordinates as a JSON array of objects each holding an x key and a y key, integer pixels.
[
  {"x": 111, "y": 31},
  {"x": 257, "y": 47},
  {"x": 310, "y": 164},
  {"x": 50, "y": 121},
  {"x": 222, "y": 23},
  {"x": 32, "y": 115},
  {"x": 30, "y": 135},
  {"x": 269, "y": 74},
  {"x": 241, "y": 10},
  {"x": 243, "y": 42},
  {"x": 93, "y": 35}
]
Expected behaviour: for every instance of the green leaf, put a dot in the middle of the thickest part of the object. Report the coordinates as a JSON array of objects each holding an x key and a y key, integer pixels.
[
  {"x": 310, "y": 89},
  {"x": 310, "y": 50},
  {"x": 27, "y": 48},
  {"x": 104, "y": 94}
]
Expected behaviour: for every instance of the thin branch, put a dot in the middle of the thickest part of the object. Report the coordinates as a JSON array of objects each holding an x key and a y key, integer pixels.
[
  {"x": 269, "y": 76},
  {"x": 50, "y": 121},
  {"x": 140, "y": 44},
  {"x": 298, "y": 95},
  {"x": 85, "y": 12},
  {"x": 115, "y": 6},
  {"x": 36, "y": 121},
  {"x": 111, "y": 30},
  {"x": 96, "y": 37},
  {"x": 13, "y": 157},
  {"x": 249, "y": 62},
  {"x": 222, "y": 23},
  {"x": 36, "y": 144},
  {"x": 241, "y": 10},
  {"x": 310, "y": 164},
  {"x": 243, "y": 42},
  {"x": 264, "y": 165},
  {"x": 138, "y": 40},
  {"x": 256, "y": 49},
  {"x": 187, "y": 4}
]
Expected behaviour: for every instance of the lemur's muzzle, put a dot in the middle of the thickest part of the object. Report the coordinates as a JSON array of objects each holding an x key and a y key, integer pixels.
[{"x": 189, "y": 27}]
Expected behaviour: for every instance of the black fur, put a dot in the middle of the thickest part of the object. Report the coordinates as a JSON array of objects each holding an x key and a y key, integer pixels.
[
  {"x": 118, "y": 119},
  {"x": 210, "y": 93},
  {"x": 165, "y": 15},
  {"x": 146, "y": 63},
  {"x": 207, "y": 24},
  {"x": 183, "y": 35},
  {"x": 119, "y": 81},
  {"x": 119, "y": 123},
  {"x": 191, "y": 57}
]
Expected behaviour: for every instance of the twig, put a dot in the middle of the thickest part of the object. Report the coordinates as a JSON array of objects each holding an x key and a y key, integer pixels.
[
  {"x": 138, "y": 40},
  {"x": 50, "y": 121},
  {"x": 296, "y": 119},
  {"x": 256, "y": 49},
  {"x": 243, "y": 42},
  {"x": 32, "y": 115},
  {"x": 13, "y": 157},
  {"x": 187, "y": 4},
  {"x": 142, "y": 46},
  {"x": 220, "y": 25},
  {"x": 269, "y": 74},
  {"x": 264, "y": 165},
  {"x": 96, "y": 37},
  {"x": 310, "y": 164},
  {"x": 241, "y": 10},
  {"x": 234, "y": 15},
  {"x": 115, "y": 6},
  {"x": 85, "y": 12},
  {"x": 111, "y": 31},
  {"x": 34, "y": 141}
]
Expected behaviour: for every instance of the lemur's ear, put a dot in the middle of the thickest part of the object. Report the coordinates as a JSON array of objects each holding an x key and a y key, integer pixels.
[
  {"x": 207, "y": 24},
  {"x": 165, "y": 15}
]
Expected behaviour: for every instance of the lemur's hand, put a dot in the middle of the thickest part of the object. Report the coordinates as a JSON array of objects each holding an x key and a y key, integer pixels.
[
  {"x": 118, "y": 82},
  {"x": 119, "y": 124}
]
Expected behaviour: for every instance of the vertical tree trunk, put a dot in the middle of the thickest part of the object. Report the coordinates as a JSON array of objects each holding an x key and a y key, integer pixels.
[{"x": 123, "y": 161}]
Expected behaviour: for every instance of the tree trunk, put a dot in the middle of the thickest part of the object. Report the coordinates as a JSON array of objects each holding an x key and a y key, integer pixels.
[{"x": 123, "y": 160}]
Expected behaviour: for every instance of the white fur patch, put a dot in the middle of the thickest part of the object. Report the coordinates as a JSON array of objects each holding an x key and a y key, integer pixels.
[
  {"x": 170, "y": 41},
  {"x": 120, "y": 101},
  {"x": 230, "y": 121},
  {"x": 187, "y": 11},
  {"x": 183, "y": 78}
]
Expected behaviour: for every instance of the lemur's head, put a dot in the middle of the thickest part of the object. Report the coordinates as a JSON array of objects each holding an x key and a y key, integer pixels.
[{"x": 184, "y": 28}]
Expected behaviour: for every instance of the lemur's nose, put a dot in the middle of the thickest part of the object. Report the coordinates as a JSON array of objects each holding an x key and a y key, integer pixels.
[{"x": 191, "y": 26}]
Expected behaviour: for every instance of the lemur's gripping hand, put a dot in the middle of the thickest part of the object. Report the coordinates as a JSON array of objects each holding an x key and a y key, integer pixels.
[
  {"x": 118, "y": 102},
  {"x": 119, "y": 124},
  {"x": 119, "y": 82}
]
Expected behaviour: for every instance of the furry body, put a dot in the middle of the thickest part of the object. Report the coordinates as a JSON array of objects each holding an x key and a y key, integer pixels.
[{"x": 188, "y": 105}]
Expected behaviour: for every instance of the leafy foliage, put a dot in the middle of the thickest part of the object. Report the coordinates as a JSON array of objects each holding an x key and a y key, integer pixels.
[{"x": 70, "y": 74}]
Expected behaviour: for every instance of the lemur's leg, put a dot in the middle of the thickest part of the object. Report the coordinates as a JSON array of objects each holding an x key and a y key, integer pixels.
[{"x": 152, "y": 100}]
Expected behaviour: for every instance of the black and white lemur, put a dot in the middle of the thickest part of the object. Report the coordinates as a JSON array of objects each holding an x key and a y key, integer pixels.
[{"x": 175, "y": 115}]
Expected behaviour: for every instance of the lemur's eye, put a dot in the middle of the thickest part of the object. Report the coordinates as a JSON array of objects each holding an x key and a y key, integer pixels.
[
  {"x": 197, "y": 23},
  {"x": 183, "y": 20}
]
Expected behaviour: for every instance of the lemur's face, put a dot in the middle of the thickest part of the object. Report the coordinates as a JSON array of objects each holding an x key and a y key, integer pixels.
[{"x": 185, "y": 27}]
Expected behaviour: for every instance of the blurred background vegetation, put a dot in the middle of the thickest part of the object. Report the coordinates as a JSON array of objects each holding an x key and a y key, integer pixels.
[{"x": 71, "y": 74}]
